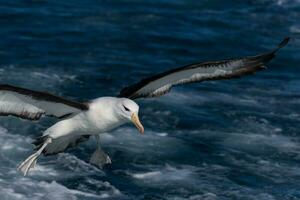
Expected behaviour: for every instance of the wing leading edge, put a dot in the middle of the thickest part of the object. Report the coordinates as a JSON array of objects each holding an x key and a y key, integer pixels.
[
  {"x": 162, "y": 83},
  {"x": 32, "y": 105}
]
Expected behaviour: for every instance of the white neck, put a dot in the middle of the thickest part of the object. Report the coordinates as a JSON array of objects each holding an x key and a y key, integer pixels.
[{"x": 103, "y": 114}]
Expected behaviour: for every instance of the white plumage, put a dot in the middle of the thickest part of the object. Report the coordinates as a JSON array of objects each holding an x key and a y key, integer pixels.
[{"x": 103, "y": 115}]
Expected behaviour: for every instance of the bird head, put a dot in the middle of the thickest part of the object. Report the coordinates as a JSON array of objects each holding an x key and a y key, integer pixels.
[{"x": 129, "y": 110}]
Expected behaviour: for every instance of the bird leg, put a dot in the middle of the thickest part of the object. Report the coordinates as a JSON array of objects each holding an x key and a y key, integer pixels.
[
  {"x": 30, "y": 162},
  {"x": 99, "y": 158}
]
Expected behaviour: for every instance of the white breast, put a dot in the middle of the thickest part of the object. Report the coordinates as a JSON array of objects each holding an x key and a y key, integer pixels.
[{"x": 101, "y": 117}]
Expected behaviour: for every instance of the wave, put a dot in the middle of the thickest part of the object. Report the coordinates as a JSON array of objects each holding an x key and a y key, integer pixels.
[{"x": 39, "y": 184}]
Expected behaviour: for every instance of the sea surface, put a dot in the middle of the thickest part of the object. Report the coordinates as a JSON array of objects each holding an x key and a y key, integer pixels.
[{"x": 233, "y": 139}]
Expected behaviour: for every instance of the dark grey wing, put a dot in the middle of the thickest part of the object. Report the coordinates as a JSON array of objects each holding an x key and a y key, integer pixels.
[
  {"x": 32, "y": 105},
  {"x": 160, "y": 84}
]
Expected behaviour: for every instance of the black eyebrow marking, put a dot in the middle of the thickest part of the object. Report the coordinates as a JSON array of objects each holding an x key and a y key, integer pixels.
[{"x": 127, "y": 109}]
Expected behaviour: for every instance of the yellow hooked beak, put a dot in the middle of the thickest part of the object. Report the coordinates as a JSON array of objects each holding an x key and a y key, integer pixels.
[{"x": 136, "y": 121}]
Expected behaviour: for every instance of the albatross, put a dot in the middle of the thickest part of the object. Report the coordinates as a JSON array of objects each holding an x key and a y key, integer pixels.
[{"x": 80, "y": 120}]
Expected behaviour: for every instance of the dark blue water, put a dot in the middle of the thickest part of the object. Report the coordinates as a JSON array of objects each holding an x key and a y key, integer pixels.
[{"x": 233, "y": 139}]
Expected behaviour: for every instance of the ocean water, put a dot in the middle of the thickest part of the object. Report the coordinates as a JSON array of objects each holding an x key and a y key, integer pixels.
[{"x": 232, "y": 139}]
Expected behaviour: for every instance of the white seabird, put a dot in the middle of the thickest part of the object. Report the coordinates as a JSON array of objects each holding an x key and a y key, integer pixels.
[{"x": 78, "y": 121}]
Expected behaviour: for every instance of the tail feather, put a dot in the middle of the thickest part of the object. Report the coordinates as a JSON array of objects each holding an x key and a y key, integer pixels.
[{"x": 39, "y": 141}]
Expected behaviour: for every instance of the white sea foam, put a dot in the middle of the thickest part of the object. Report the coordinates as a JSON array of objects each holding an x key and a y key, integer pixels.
[
  {"x": 189, "y": 98},
  {"x": 39, "y": 184},
  {"x": 287, "y": 3},
  {"x": 146, "y": 174},
  {"x": 162, "y": 134},
  {"x": 168, "y": 174},
  {"x": 206, "y": 196},
  {"x": 151, "y": 142},
  {"x": 294, "y": 29},
  {"x": 46, "y": 77}
]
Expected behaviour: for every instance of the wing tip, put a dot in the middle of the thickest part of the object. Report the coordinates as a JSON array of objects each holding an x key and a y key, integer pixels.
[
  {"x": 269, "y": 56},
  {"x": 283, "y": 43}
]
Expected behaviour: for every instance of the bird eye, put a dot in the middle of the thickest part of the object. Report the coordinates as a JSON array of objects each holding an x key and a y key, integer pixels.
[{"x": 127, "y": 109}]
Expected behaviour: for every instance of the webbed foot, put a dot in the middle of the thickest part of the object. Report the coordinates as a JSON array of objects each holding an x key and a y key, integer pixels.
[{"x": 99, "y": 158}]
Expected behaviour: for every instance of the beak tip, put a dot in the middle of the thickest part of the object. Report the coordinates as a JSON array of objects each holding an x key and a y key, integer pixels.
[{"x": 137, "y": 123}]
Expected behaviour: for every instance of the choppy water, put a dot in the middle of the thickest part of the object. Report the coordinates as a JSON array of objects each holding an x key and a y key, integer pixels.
[{"x": 236, "y": 139}]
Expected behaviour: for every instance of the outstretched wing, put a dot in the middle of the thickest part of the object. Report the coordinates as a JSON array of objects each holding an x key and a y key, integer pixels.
[
  {"x": 32, "y": 105},
  {"x": 160, "y": 84}
]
